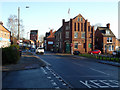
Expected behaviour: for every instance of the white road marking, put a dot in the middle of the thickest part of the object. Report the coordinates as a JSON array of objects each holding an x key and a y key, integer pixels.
[
  {"x": 99, "y": 71},
  {"x": 64, "y": 84},
  {"x": 54, "y": 84},
  {"x": 48, "y": 64},
  {"x": 43, "y": 70},
  {"x": 57, "y": 87},
  {"x": 114, "y": 81},
  {"x": 49, "y": 77},
  {"x": 105, "y": 82},
  {"x": 100, "y": 83},
  {"x": 88, "y": 85}
]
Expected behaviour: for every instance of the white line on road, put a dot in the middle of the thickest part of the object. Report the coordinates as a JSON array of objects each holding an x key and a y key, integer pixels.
[
  {"x": 43, "y": 70},
  {"x": 45, "y": 62},
  {"x": 99, "y": 71}
]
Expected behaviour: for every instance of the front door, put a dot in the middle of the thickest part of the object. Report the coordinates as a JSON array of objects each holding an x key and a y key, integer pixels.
[{"x": 67, "y": 48}]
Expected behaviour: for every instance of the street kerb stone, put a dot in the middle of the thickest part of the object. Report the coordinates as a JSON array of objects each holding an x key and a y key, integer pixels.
[{"x": 27, "y": 61}]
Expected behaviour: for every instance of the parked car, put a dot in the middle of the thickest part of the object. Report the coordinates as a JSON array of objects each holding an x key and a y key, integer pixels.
[
  {"x": 95, "y": 52},
  {"x": 40, "y": 50},
  {"x": 76, "y": 52},
  {"x": 116, "y": 53}
]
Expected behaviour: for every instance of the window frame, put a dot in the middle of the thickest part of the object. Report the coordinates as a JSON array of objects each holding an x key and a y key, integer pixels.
[
  {"x": 75, "y": 34},
  {"x": 75, "y": 45}
]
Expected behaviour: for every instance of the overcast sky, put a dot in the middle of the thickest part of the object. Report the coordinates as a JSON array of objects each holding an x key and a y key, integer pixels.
[{"x": 44, "y": 15}]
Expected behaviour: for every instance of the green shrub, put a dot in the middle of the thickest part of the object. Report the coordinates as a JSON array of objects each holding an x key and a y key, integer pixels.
[
  {"x": 16, "y": 46},
  {"x": 10, "y": 55}
]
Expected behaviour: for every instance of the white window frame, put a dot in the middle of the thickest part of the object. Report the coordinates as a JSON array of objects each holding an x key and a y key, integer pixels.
[
  {"x": 108, "y": 40},
  {"x": 111, "y": 47},
  {"x": 107, "y": 32}
]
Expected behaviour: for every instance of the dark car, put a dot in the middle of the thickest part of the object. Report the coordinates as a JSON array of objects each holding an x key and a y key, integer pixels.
[
  {"x": 95, "y": 52},
  {"x": 116, "y": 53},
  {"x": 76, "y": 52}
]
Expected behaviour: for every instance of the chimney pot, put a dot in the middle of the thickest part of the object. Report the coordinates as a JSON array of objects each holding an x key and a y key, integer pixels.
[
  {"x": 108, "y": 25},
  {"x": 1, "y": 22}
]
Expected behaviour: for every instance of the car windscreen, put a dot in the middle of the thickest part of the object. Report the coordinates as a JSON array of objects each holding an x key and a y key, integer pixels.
[
  {"x": 96, "y": 50},
  {"x": 40, "y": 48}
]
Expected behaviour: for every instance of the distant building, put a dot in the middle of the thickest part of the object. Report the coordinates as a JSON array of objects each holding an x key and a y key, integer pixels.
[
  {"x": 49, "y": 41},
  {"x": 105, "y": 40},
  {"x": 45, "y": 40},
  {"x": 34, "y": 36},
  {"x": 4, "y": 36},
  {"x": 75, "y": 35}
]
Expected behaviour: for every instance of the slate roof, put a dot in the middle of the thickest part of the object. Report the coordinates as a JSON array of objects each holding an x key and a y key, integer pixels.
[{"x": 103, "y": 31}]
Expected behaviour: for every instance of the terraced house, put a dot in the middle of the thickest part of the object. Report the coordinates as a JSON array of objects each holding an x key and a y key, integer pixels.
[
  {"x": 4, "y": 36},
  {"x": 75, "y": 35}
]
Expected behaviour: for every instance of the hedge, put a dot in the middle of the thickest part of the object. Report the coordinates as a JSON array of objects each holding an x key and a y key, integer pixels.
[{"x": 10, "y": 55}]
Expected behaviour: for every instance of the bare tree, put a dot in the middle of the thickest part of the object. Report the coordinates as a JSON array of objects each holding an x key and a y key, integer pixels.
[
  {"x": 97, "y": 25},
  {"x": 41, "y": 38},
  {"x": 13, "y": 26}
]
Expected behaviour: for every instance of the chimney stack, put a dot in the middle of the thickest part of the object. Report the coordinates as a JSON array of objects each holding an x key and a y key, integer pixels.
[
  {"x": 1, "y": 22},
  {"x": 51, "y": 31},
  {"x": 108, "y": 25}
]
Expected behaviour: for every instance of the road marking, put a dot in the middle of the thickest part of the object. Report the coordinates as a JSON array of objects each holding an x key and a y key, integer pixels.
[
  {"x": 88, "y": 85},
  {"x": 43, "y": 70},
  {"x": 48, "y": 64},
  {"x": 99, "y": 71},
  {"x": 49, "y": 77},
  {"x": 57, "y": 87},
  {"x": 54, "y": 84},
  {"x": 100, "y": 83},
  {"x": 105, "y": 82},
  {"x": 64, "y": 84}
]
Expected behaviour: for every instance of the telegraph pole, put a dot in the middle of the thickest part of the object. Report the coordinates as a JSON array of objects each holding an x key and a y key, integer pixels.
[{"x": 18, "y": 23}]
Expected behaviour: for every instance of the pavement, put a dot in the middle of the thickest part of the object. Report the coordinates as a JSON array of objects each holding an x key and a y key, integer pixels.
[{"x": 31, "y": 72}]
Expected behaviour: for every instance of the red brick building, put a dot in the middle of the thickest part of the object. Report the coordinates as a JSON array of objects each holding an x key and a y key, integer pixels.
[
  {"x": 77, "y": 33},
  {"x": 49, "y": 42},
  {"x": 105, "y": 40},
  {"x": 34, "y": 36}
]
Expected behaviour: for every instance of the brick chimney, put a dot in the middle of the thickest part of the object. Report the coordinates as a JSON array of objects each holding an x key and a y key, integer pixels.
[
  {"x": 108, "y": 25},
  {"x": 50, "y": 32},
  {"x": 1, "y": 22},
  {"x": 63, "y": 21}
]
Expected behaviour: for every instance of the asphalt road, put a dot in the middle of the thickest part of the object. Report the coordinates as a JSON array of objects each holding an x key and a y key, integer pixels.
[{"x": 83, "y": 73}]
